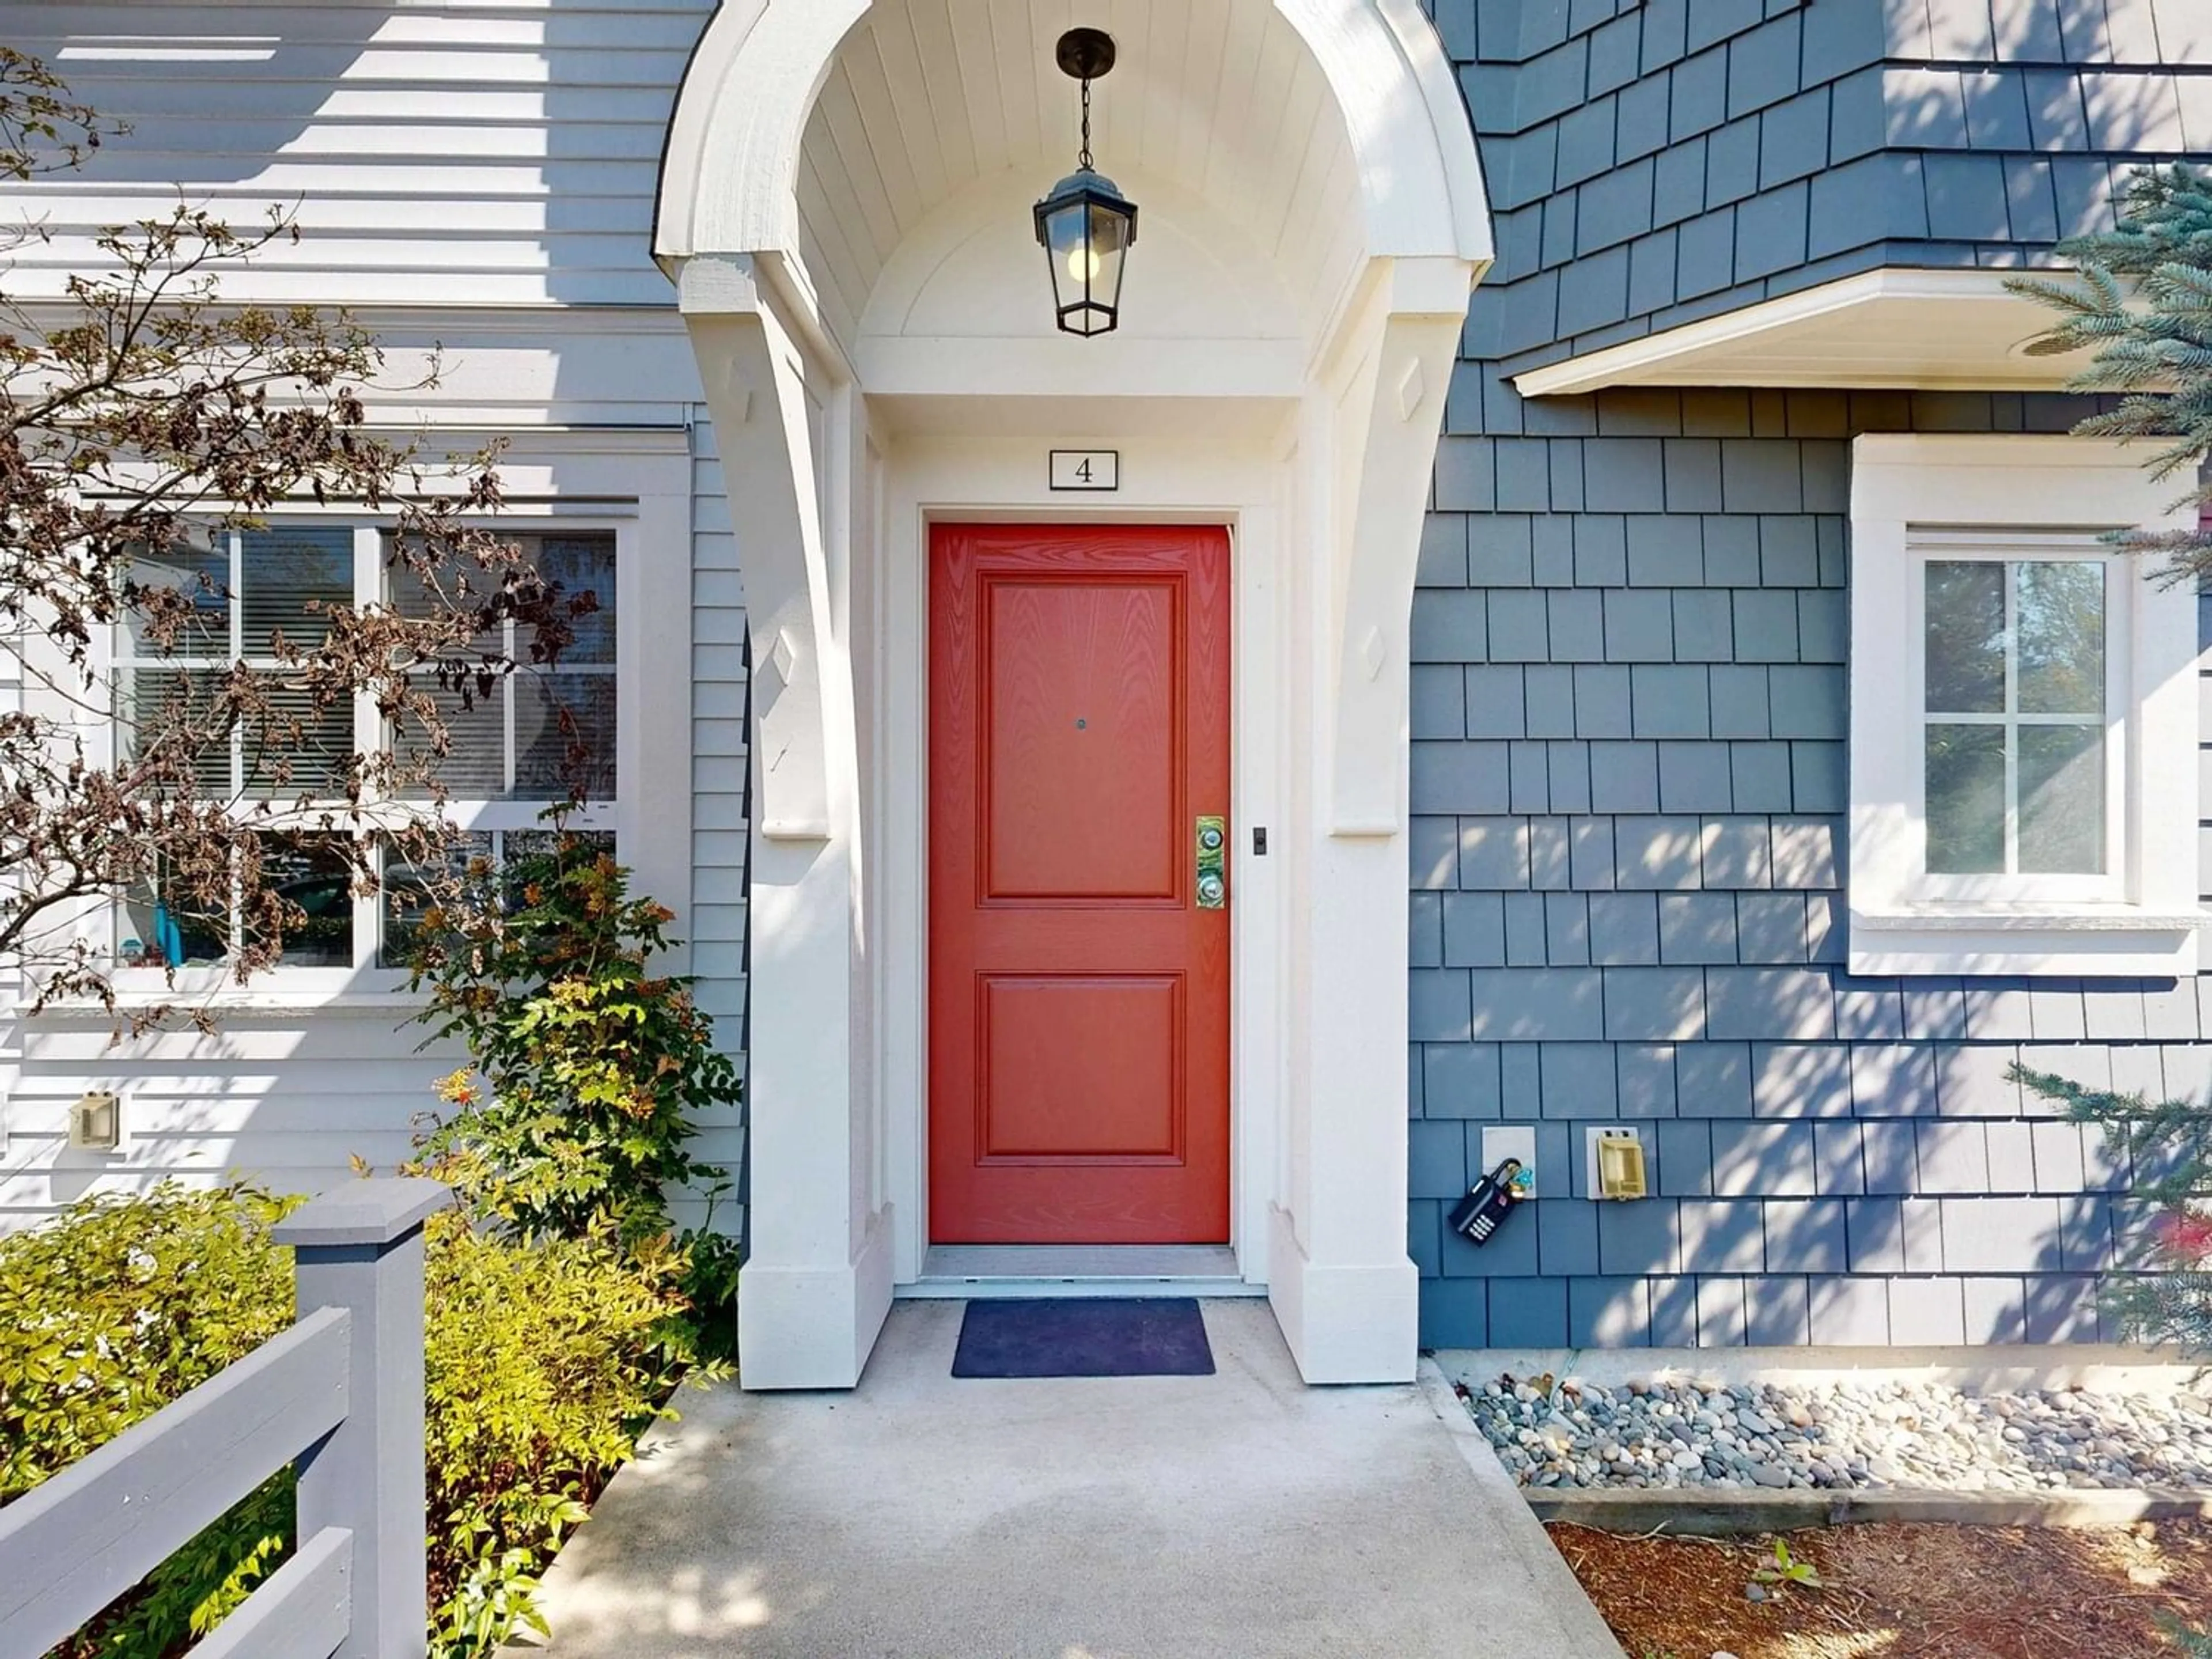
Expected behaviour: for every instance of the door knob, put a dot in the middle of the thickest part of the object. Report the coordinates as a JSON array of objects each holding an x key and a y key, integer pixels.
[{"x": 1212, "y": 863}]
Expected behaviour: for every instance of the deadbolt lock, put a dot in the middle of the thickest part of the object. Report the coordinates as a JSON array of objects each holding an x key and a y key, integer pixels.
[{"x": 1212, "y": 863}]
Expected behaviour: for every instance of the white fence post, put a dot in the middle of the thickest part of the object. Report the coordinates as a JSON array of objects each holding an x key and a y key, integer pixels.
[{"x": 360, "y": 1246}]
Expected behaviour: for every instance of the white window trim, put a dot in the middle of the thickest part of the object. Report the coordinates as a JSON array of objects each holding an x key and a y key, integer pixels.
[
  {"x": 367, "y": 975},
  {"x": 2058, "y": 494},
  {"x": 637, "y": 484}
]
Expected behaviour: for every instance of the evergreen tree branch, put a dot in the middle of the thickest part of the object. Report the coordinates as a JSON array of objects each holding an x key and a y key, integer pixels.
[{"x": 2141, "y": 303}]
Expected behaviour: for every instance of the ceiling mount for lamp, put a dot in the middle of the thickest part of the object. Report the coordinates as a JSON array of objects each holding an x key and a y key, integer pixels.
[
  {"x": 1084, "y": 54},
  {"x": 1085, "y": 225}
]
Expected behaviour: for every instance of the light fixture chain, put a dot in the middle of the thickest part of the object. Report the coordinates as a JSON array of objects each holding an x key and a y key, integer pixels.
[{"x": 1086, "y": 157}]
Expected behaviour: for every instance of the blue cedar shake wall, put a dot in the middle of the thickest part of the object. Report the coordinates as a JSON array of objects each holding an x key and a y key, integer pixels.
[{"x": 1628, "y": 690}]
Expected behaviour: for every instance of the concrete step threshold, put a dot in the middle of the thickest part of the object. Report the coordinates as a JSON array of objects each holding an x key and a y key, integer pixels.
[{"x": 976, "y": 1272}]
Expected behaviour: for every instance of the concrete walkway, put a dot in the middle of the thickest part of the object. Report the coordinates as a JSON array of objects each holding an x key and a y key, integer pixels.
[{"x": 920, "y": 1517}]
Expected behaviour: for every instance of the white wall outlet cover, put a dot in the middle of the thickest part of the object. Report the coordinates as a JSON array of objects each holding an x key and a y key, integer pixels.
[
  {"x": 1592, "y": 1183},
  {"x": 1502, "y": 1143}
]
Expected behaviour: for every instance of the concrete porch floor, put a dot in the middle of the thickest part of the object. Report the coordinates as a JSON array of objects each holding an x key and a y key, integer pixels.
[{"x": 921, "y": 1517}]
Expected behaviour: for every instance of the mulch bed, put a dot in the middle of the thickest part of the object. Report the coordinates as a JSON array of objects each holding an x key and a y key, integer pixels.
[{"x": 1903, "y": 1592}]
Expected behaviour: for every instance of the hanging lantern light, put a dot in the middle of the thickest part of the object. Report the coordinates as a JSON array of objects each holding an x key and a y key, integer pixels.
[{"x": 1086, "y": 226}]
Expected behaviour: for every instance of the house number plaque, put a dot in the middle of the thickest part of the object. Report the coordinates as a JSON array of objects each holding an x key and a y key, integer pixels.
[{"x": 1086, "y": 469}]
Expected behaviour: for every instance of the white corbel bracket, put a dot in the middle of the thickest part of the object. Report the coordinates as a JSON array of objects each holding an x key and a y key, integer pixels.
[
  {"x": 1411, "y": 338},
  {"x": 754, "y": 370}
]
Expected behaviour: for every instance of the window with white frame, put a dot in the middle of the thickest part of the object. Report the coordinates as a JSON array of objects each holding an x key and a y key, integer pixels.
[
  {"x": 514, "y": 752},
  {"x": 2022, "y": 669},
  {"x": 2023, "y": 715}
]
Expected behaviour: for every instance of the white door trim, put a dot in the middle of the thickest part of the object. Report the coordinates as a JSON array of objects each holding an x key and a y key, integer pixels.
[{"x": 952, "y": 481}]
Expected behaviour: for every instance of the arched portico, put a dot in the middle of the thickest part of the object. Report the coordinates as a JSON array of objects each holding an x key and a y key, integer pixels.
[{"x": 844, "y": 208}]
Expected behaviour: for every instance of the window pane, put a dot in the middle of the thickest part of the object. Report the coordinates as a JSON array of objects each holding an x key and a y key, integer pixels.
[
  {"x": 1965, "y": 637},
  {"x": 408, "y": 893},
  {"x": 282, "y": 572},
  {"x": 475, "y": 766},
  {"x": 537, "y": 843},
  {"x": 582, "y": 564},
  {"x": 310, "y": 874},
  {"x": 542, "y": 768},
  {"x": 411, "y": 598},
  {"x": 157, "y": 704},
  {"x": 2061, "y": 622},
  {"x": 1965, "y": 800},
  {"x": 2062, "y": 800},
  {"x": 200, "y": 579},
  {"x": 584, "y": 846},
  {"x": 481, "y": 766},
  {"x": 293, "y": 748},
  {"x": 162, "y": 926}
]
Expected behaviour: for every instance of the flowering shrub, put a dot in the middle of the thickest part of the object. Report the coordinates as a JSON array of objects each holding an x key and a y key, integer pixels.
[
  {"x": 590, "y": 1066},
  {"x": 2186, "y": 1236},
  {"x": 106, "y": 1317}
]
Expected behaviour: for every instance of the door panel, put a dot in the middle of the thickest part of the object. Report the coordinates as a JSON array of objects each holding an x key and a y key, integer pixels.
[
  {"x": 1079, "y": 997},
  {"x": 1081, "y": 1066},
  {"x": 1081, "y": 806}
]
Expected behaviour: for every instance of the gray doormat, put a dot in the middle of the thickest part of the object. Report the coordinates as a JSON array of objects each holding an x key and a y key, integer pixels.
[{"x": 1084, "y": 1336}]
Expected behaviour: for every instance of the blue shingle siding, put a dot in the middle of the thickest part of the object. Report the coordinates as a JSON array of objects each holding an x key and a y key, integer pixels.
[
  {"x": 1630, "y": 642},
  {"x": 1776, "y": 138},
  {"x": 1833, "y": 1159}
]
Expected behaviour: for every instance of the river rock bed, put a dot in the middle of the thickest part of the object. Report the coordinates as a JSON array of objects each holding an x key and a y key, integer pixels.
[{"x": 1916, "y": 1435}]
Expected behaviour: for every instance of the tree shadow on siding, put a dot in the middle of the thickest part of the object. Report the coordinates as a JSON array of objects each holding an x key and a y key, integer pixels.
[
  {"x": 1993, "y": 143},
  {"x": 1836, "y": 1213},
  {"x": 512, "y": 156},
  {"x": 1899, "y": 1202},
  {"x": 284, "y": 1102}
]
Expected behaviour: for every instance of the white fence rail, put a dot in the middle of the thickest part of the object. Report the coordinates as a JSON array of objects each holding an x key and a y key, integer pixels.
[{"x": 339, "y": 1395}]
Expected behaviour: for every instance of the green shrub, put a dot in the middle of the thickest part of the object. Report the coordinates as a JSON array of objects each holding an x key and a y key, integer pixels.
[
  {"x": 2163, "y": 1295},
  {"x": 121, "y": 1306},
  {"x": 592, "y": 1064},
  {"x": 545, "y": 1361}
]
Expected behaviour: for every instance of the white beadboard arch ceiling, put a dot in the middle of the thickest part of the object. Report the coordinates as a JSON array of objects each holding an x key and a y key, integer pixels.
[
  {"x": 1325, "y": 132},
  {"x": 1216, "y": 119}
]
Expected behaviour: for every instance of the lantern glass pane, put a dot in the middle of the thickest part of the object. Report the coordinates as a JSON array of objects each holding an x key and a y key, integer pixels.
[
  {"x": 1064, "y": 247},
  {"x": 1108, "y": 251}
]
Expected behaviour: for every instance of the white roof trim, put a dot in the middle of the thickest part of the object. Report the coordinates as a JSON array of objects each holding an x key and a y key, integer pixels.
[{"x": 1893, "y": 328}]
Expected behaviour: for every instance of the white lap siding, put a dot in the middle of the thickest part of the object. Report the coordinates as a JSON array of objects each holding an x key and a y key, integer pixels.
[
  {"x": 720, "y": 800},
  {"x": 461, "y": 152},
  {"x": 479, "y": 177},
  {"x": 287, "y": 1099}
]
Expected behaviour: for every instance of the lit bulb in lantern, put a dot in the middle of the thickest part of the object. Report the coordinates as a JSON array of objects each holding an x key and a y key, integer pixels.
[{"x": 1082, "y": 261}]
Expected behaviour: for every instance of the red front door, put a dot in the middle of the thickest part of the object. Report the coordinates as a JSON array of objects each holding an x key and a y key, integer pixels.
[{"x": 1079, "y": 993}]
